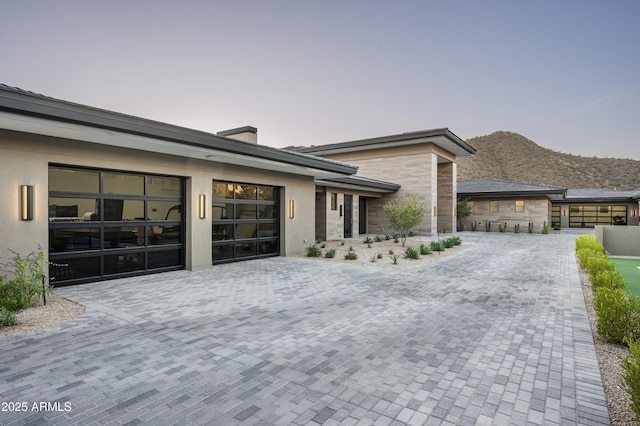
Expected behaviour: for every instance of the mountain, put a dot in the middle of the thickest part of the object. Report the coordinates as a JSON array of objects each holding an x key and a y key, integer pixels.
[{"x": 510, "y": 156}]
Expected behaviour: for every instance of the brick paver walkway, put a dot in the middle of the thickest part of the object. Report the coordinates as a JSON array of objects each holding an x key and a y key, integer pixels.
[{"x": 496, "y": 334}]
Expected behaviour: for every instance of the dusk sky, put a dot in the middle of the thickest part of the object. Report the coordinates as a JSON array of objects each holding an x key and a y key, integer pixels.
[{"x": 565, "y": 74}]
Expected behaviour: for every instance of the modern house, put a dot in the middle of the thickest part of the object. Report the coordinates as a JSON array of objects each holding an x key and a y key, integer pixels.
[
  {"x": 499, "y": 202},
  {"x": 110, "y": 195}
]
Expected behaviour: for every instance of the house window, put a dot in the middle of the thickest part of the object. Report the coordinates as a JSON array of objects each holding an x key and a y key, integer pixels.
[
  {"x": 493, "y": 206},
  {"x": 334, "y": 201},
  {"x": 519, "y": 206}
]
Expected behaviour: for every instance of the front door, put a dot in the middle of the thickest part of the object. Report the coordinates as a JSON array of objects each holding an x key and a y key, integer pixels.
[
  {"x": 348, "y": 215},
  {"x": 362, "y": 211}
]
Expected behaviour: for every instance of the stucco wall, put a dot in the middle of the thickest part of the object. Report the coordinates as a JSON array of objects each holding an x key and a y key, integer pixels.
[
  {"x": 536, "y": 211},
  {"x": 24, "y": 159},
  {"x": 619, "y": 240}
]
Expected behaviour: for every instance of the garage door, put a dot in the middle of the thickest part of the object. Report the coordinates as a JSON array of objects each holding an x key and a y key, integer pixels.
[
  {"x": 245, "y": 221},
  {"x": 110, "y": 224}
]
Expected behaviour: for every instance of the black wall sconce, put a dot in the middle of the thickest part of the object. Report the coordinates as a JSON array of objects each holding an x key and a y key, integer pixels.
[{"x": 26, "y": 202}]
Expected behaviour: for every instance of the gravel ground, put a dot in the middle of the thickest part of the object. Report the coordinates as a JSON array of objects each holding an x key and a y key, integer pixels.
[{"x": 60, "y": 310}]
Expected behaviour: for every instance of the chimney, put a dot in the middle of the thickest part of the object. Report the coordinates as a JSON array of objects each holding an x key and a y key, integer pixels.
[{"x": 245, "y": 134}]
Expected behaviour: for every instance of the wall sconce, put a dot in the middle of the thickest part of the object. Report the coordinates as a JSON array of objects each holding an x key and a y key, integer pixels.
[
  {"x": 26, "y": 202},
  {"x": 292, "y": 209},
  {"x": 564, "y": 212},
  {"x": 633, "y": 212},
  {"x": 435, "y": 210},
  {"x": 202, "y": 206}
]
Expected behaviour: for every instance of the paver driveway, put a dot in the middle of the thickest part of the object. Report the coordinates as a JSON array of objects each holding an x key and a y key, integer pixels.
[{"x": 497, "y": 334}]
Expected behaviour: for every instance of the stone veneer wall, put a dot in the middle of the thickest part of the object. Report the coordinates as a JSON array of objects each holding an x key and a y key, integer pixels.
[
  {"x": 536, "y": 211},
  {"x": 446, "y": 197}
]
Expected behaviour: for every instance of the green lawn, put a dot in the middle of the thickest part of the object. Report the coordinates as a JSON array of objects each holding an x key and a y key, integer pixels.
[{"x": 629, "y": 268}]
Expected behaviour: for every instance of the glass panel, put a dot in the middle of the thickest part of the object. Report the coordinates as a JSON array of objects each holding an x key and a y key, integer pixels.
[
  {"x": 266, "y": 193},
  {"x": 73, "y": 239},
  {"x": 123, "y": 210},
  {"x": 123, "y": 236},
  {"x": 122, "y": 184},
  {"x": 268, "y": 211},
  {"x": 222, "y": 211},
  {"x": 164, "y": 258},
  {"x": 604, "y": 209},
  {"x": 164, "y": 210},
  {"x": 69, "y": 269},
  {"x": 246, "y": 249},
  {"x": 222, "y": 252},
  {"x": 72, "y": 209},
  {"x": 73, "y": 180},
  {"x": 245, "y": 230},
  {"x": 246, "y": 211},
  {"x": 126, "y": 262},
  {"x": 222, "y": 232},
  {"x": 222, "y": 190},
  {"x": 268, "y": 247},
  {"x": 164, "y": 186},
  {"x": 169, "y": 234},
  {"x": 246, "y": 192},
  {"x": 268, "y": 229}
]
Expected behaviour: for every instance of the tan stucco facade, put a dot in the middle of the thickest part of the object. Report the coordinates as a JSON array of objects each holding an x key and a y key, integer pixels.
[{"x": 25, "y": 159}]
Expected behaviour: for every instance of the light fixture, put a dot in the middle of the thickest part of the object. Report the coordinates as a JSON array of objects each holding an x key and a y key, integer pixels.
[
  {"x": 202, "y": 206},
  {"x": 435, "y": 210},
  {"x": 26, "y": 202},
  {"x": 292, "y": 209},
  {"x": 564, "y": 212}
]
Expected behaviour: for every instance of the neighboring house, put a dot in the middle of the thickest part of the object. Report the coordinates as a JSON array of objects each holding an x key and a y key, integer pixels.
[
  {"x": 498, "y": 202},
  {"x": 421, "y": 163},
  {"x": 110, "y": 195}
]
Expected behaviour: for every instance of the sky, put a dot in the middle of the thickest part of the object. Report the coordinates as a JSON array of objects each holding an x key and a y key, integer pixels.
[{"x": 563, "y": 73}]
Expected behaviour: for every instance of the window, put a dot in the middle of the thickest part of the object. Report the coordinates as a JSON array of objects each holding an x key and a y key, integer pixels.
[
  {"x": 334, "y": 201},
  {"x": 493, "y": 206},
  {"x": 519, "y": 206}
]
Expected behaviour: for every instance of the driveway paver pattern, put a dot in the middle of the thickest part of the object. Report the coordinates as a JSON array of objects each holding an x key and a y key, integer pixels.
[{"x": 496, "y": 334}]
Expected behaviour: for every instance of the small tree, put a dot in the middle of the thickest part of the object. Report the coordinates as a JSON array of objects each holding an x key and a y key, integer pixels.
[
  {"x": 404, "y": 215},
  {"x": 463, "y": 211}
]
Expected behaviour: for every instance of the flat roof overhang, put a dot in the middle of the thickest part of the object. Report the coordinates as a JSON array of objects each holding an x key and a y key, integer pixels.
[
  {"x": 356, "y": 183},
  {"x": 443, "y": 138},
  {"x": 30, "y": 113}
]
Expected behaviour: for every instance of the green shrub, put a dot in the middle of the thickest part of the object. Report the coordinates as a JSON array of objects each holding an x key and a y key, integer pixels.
[
  {"x": 323, "y": 245},
  {"x": 24, "y": 290},
  {"x": 436, "y": 246},
  {"x": 545, "y": 228},
  {"x": 474, "y": 226},
  {"x": 351, "y": 255},
  {"x": 618, "y": 315},
  {"x": 412, "y": 253},
  {"x": 588, "y": 246},
  {"x": 313, "y": 251},
  {"x": 597, "y": 264},
  {"x": 367, "y": 240},
  {"x": 516, "y": 228},
  {"x": 330, "y": 254},
  {"x": 502, "y": 228},
  {"x": 608, "y": 279},
  {"x": 449, "y": 242},
  {"x": 456, "y": 240},
  {"x": 379, "y": 255},
  {"x": 531, "y": 227},
  {"x": 631, "y": 376},
  {"x": 395, "y": 258},
  {"x": 390, "y": 251},
  {"x": 487, "y": 226},
  {"x": 378, "y": 238},
  {"x": 425, "y": 250},
  {"x": 7, "y": 317}
]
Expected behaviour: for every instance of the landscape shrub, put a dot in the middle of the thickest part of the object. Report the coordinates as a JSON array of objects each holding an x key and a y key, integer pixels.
[
  {"x": 425, "y": 250},
  {"x": 516, "y": 228},
  {"x": 502, "y": 228},
  {"x": 7, "y": 317},
  {"x": 618, "y": 315},
  {"x": 436, "y": 246},
  {"x": 474, "y": 226},
  {"x": 25, "y": 288},
  {"x": 378, "y": 238},
  {"x": 351, "y": 255},
  {"x": 608, "y": 279},
  {"x": 531, "y": 227},
  {"x": 313, "y": 251},
  {"x": 631, "y": 376},
  {"x": 330, "y": 254},
  {"x": 449, "y": 242},
  {"x": 487, "y": 226},
  {"x": 395, "y": 258},
  {"x": 545, "y": 228},
  {"x": 367, "y": 240},
  {"x": 456, "y": 240},
  {"x": 597, "y": 264},
  {"x": 412, "y": 253}
]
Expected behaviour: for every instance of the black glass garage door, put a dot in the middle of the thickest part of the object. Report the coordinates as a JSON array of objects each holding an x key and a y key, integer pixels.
[
  {"x": 108, "y": 224},
  {"x": 245, "y": 221}
]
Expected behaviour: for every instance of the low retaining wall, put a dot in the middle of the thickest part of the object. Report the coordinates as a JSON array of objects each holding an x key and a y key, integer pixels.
[{"x": 619, "y": 240}]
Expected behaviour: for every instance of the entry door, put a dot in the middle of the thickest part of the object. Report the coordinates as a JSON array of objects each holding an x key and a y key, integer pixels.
[{"x": 348, "y": 215}]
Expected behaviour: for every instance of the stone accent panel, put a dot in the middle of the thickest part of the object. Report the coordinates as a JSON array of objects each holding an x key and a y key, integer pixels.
[{"x": 536, "y": 211}]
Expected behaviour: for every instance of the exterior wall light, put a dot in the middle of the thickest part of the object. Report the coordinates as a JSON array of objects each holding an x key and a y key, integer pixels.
[
  {"x": 202, "y": 206},
  {"x": 26, "y": 202},
  {"x": 292, "y": 209},
  {"x": 435, "y": 210},
  {"x": 564, "y": 212}
]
